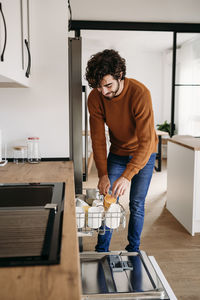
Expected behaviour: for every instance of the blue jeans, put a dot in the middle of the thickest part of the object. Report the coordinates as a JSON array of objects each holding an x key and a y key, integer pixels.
[{"x": 138, "y": 191}]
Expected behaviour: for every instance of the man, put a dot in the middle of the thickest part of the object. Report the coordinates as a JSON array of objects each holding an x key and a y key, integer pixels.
[{"x": 125, "y": 106}]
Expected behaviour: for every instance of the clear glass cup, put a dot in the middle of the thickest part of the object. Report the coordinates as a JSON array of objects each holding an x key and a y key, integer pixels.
[
  {"x": 19, "y": 154},
  {"x": 33, "y": 150}
]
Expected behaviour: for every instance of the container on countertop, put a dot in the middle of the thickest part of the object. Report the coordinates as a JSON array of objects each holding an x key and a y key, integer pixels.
[{"x": 33, "y": 149}]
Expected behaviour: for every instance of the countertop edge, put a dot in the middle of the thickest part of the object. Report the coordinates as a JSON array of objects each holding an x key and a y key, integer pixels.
[{"x": 190, "y": 144}]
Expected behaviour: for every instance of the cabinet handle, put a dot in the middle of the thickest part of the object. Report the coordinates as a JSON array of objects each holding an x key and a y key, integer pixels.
[
  {"x": 29, "y": 59},
  {"x": 5, "y": 29}
]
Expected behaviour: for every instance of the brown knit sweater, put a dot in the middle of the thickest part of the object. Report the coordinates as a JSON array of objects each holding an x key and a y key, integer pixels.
[{"x": 130, "y": 120}]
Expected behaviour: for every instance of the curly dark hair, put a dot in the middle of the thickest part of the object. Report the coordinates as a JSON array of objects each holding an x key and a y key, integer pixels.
[{"x": 107, "y": 62}]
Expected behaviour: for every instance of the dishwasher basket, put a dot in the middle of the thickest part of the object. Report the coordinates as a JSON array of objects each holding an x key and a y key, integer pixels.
[{"x": 92, "y": 219}]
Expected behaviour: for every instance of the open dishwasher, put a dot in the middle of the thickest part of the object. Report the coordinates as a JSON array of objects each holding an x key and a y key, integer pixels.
[
  {"x": 115, "y": 274},
  {"x": 120, "y": 275}
]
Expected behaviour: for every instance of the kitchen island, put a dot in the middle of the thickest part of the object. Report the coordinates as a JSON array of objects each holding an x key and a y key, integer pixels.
[
  {"x": 61, "y": 281},
  {"x": 183, "y": 178}
]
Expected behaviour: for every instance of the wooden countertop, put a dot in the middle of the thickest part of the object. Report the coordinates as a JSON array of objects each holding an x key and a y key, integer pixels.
[
  {"x": 187, "y": 141},
  {"x": 56, "y": 282},
  {"x": 162, "y": 133}
]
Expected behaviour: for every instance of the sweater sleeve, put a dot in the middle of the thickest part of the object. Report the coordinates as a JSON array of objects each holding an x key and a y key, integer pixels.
[
  {"x": 97, "y": 130},
  {"x": 143, "y": 115}
]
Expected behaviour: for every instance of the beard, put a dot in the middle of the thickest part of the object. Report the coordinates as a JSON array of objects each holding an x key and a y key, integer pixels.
[{"x": 112, "y": 94}]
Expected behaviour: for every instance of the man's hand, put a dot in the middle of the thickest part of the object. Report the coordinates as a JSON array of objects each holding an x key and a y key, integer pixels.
[
  {"x": 120, "y": 186},
  {"x": 104, "y": 184}
]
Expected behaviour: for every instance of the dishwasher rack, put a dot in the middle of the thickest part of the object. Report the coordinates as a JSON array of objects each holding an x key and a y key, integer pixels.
[{"x": 99, "y": 221}]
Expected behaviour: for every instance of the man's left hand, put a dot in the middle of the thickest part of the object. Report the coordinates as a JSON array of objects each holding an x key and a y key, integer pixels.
[{"x": 120, "y": 186}]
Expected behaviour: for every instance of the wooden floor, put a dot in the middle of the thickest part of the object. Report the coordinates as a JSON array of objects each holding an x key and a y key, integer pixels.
[{"x": 175, "y": 250}]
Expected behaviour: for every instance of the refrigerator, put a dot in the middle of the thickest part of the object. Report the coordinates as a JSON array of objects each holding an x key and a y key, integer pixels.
[{"x": 78, "y": 116}]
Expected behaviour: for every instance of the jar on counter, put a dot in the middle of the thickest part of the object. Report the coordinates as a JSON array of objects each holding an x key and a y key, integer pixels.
[
  {"x": 33, "y": 149},
  {"x": 19, "y": 154}
]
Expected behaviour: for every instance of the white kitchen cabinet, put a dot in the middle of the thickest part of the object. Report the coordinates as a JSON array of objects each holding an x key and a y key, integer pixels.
[
  {"x": 183, "y": 177},
  {"x": 13, "y": 29}
]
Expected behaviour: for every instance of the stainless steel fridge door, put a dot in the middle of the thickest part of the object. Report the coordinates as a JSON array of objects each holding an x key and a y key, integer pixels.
[
  {"x": 120, "y": 275},
  {"x": 78, "y": 114},
  {"x": 75, "y": 110}
]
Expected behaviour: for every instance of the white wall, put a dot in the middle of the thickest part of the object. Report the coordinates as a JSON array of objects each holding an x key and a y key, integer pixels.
[
  {"x": 146, "y": 66},
  {"x": 42, "y": 109},
  {"x": 137, "y": 10},
  {"x": 166, "y": 87}
]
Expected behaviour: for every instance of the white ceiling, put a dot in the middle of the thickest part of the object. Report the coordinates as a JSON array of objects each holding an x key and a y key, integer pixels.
[
  {"x": 145, "y": 40},
  {"x": 183, "y": 11}
]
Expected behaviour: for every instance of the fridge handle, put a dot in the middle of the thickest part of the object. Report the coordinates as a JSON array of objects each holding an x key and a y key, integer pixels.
[{"x": 85, "y": 174}]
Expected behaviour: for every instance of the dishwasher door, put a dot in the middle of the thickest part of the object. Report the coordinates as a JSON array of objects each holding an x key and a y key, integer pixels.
[{"x": 119, "y": 275}]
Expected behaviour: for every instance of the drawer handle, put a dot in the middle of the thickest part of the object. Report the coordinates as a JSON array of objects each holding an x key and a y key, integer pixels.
[
  {"x": 29, "y": 59},
  {"x": 5, "y": 29}
]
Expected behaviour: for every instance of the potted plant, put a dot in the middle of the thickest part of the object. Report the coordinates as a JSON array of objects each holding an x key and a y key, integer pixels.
[{"x": 164, "y": 127}]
